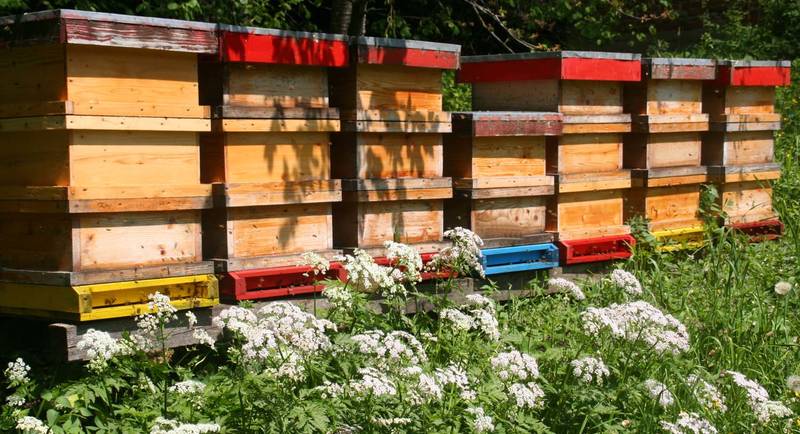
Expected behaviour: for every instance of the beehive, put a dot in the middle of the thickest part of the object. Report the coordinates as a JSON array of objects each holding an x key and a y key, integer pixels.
[
  {"x": 269, "y": 154},
  {"x": 390, "y": 148},
  {"x": 497, "y": 163},
  {"x": 107, "y": 187},
  {"x": 739, "y": 148},
  {"x": 664, "y": 150},
  {"x": 586, "y": 87}
]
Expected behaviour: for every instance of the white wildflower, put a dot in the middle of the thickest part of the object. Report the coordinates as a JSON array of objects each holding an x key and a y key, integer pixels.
[
  {"x": 391, "y": 421},
  {"x": 203, "y": 338},
  {"x": 187, "y": 387},
  {"x": 638, "y": 321},
  {"x": 365, "y": 275},
  {"x": 32, "y": 425},
  {"x": 329, "y": 390},
  {"x": 514, "y": 365},
  {"x": 235, "y": 319},
  {"x": 626, "y": 281},
  {"x": 793, "y": 383},
  {"x": 464, "y": 255},
  {"x": 758, "y": 398},
  {"x": 100, "y": 347},
  {"x": 373, "y": 383},
  {"x": 480, "y": 301},
  {"x": 319, "y": 265},
  {"x": 151, "y": 324},
  {"x": 338, "y": 296},
  {"x": 191, "y": 319},
  {"x": 486, "y": 322},
  {"x": 17, "y": 372},
  {"x": 290, "y": 368},
  {"x": 405, "y": 257},
  {"x": 483, "y": 423},
  {"x": 168, "y": 426},
  {"x": 15, "y": 400},
  {"x": 783, "y": 288},
  {"x": 659, "y": 392},
  {"x": 707, "y": 395},
  {"x": 689, "y": 423},
  {"x": 393, "y": 349},
  {"x": 561, "y": 285},
  {"x": 428, "y": 387},
  {"x": 590, "y": 369},
  {"x": 458, "y": 319},
  {"x": 526, "y": 395},
  {"x": 456, "y": 376}
]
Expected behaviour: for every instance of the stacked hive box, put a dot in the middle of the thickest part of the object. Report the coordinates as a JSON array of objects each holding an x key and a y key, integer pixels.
[
  {"x": 587, "y": 209},
  {"x": 739, "y": 148},
  {"x": 664, "y": 149},
  {"x": 269, "y": 157},
  {"x": 389, "y": 154},
  {"x": 497, "y": 163},
  {"x": 100, "y": 187}
]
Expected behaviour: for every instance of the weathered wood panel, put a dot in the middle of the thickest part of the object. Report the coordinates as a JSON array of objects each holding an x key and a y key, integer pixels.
[
  {"x": 129, "y": 82},
  {"x": 746, "y": 202},
  {"x": 535, "y": 95},
  {"x": 384, "y": 87},
  {"x": 666, "y": 208},
  {"x": 392, "y": 155},
  {"x": 40, "y": 242},
  {"x": 278, "y": 86},
  {"x": 738, "y": 148},
  {"x": 590, "y": 98},
  {"x": 34, "y": 158},
  {"x": 30, "y": 75},
  {"x": 673, "y": 150},
  {"x": 587, "y": 214},
  {"x": 672, "y": 97},
  {"x": 589, "y": 153},
  {"x": 268, "y": 230},
  {"x": 508, "y": 156},
  {"x": 508, "y": 217},
  {"x": 370, "y": 224}
]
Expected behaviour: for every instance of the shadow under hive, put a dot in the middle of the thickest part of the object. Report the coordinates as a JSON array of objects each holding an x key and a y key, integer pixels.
[
  {"x": 106, "y": 188},
  {"x": 389, "y": 154}
]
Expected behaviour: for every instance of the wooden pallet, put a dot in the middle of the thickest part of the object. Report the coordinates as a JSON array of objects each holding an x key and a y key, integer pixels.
[
  {"x": 512, "y": 259},
  {"x": 105, "y": 300},
  {"x": 83, "y": 63}
]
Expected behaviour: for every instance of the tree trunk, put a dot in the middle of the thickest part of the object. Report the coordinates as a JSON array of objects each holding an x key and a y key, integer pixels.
[{"x": 349, "y": 17}]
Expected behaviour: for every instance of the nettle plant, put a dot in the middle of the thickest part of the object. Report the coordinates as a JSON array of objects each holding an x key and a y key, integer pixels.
[{"x": 598, "y": 356}]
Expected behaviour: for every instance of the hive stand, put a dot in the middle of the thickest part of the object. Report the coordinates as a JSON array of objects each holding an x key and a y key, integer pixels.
[
  {"x": 106, "y": 189},
  {"x": 389, "y": 154},
  {"x": 739, "y": 148},
  {"x": 586, "y": 211},
  {"x": 664, "y": 149},
  {"x": 497, "y": 162},
  {"x": 269, "y": 157}
]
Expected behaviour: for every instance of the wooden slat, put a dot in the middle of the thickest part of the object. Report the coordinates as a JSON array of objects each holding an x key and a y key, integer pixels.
[
  {"x": 71, "y": 278},
  {"x": 504, "y": 192},
  {"x": 36, "y": 109},
  {"x": 395, "y": 184},
  {"x": 493, "y": 124},
  {"x": 746, "y": 202},
  {"x": 504, "y": 182},
  {"x": 282, "y": 229},
  {"x": 268, "y": 261},
  {"x": 590, "y": 98},
  {"x": 508, "y": 217},
  {"x": 588, "y": 214},
  {"x": 256, "y": 112},
  {"x": 616, "y": 180},
  {"x": 125, "y": 123},
  {"x": 397, "y": 127},
  {"x": 279, "y": 125},
  {"x": 380, "y": 156},
  {"x": 397, "y": 195},
  {"x": 385, "y": 87},
  {"x": 589, "y": 153},
  {"x": 396, "y": 116},
  {"x": 278, "y": 193}
]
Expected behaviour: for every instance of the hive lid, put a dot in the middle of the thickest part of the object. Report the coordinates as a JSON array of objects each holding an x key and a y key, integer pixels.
[
  {"x": 754, "y": 72},
  {"x": 68, "y": 26},
  {"x": 556, "y": 65},
  {"x": 673, "y": 68},
  {"x": 261, "y": 45},
  {"x": 388, "y": 51}
]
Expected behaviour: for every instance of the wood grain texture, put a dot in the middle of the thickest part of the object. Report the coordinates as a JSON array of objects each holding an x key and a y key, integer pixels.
[
  {"x": 276, "y": 86},
  {"x": 508, "y": 217},
  {"x": 746, "y": 202},
  {"x": 267, "y": 230},
  {"x": 590, "y": 98},
  {"x": 34, "y": 158},
  {"x": 382, "y": 87},
  {"x": 494, "y": 157},
  {"x": 128, "y": 82},
  {"x": 277, "y": 193},
  {"x": 392, "y": 155},
  {"x": 31, "y": 75},
  {"x": 666, "y": 207},
  {"x": 370, "y": 224},
  {"x": 674, "y": 97},
  {"x": 589, "y": 153},
  {"x": 587, "y": 214},
  {"x": 673, "y": 150},
  {"x": 532, "y": 95}
]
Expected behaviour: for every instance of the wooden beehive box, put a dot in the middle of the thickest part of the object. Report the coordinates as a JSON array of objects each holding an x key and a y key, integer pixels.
[
  {"x": 741, "y": 105},
  {"x": 669, "y": 198},
  {"x": 390, "y": 150},
  {"x": 745, "y": 192},
  {"x": 497, "y": 163},
  {"x": 269, "y": 154},
  {"x": 587, "y": 160}
]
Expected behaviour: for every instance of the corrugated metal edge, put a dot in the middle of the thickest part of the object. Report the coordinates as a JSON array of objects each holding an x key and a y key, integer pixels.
[{"x": 405, "y": 43}]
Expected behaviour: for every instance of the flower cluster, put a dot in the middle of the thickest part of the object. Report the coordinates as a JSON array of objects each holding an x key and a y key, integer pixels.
[
  {"x": 15, "y": 400},
  {"x": 626, "y": 281},
  {"x": 758, "y": 398},
  {"x": 188, "y": 387},
  {"x": 100, "y": 347},
  {"x": 590, "y": 369},
  {"x": 707, "y": 395},
  {"x": 406, "y": 258},
  {"x": 689, "y": 423},
  {"x": 30, "y": 424},
  {"x": 393, "y": 349},
  {"x": 526, "y": 395},
  {"x": 365, "y": 275},
  {"x": 638, "y": 321},
  {"x": 319, "y": 265},
  {"x": 463, "y": 256},
  {"x": 17, "y": 372},
  {"x": 659, "y": 392},
  {"x": 480, "y": 315},
  {"x": 793, "y": 383},
  {"x": 564, "y": 286},
  {"x": 373, "y": 383},
  {"x": 514, "y": 365},
  {"x": 455, "y": 376},
  {"x": 483, "y": 423},
  {"x": 783, "y": 288},
  {"x": 169, "y": 426},
  {"x": 338, "y": 296},
  {"x": 151, "y": 325}
]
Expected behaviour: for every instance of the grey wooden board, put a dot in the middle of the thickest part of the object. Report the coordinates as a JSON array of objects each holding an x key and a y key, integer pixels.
[
  {"x": 244, "y": 112},
  {"x": 405, "y": 43},
  {"x": 106, "y": 17},
  {"x": 267, "y": 261},
  {"x": 755, "y": 63},
  {"x": 733, "y": 127},
  {"x": 749, "y": 168},
  {"x": 498, "y": 192},
  {"x": 668, "y": 172},
  {"x": 283, "y": 33},
  {"x": 678, "y": 61},
  {"x": 73, "y": 278},
  {"x": 506, "y": 115},
  {"x": 395, "y": 184}
]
